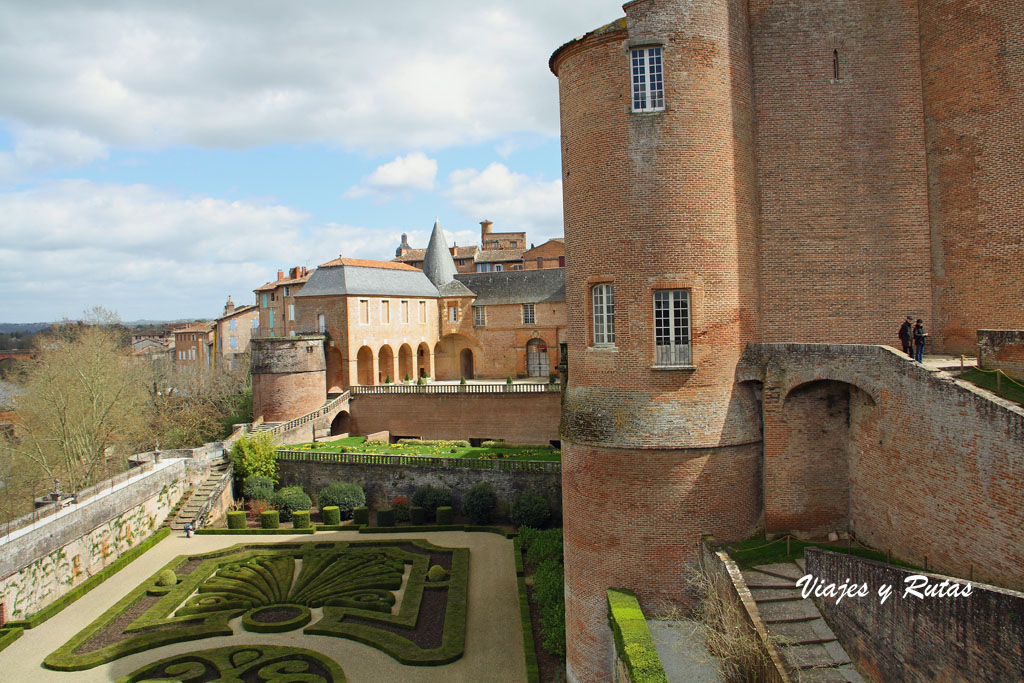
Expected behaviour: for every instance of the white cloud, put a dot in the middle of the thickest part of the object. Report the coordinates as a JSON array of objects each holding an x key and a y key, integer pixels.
[
  {"x": 72, "y": 245},
  {"x": 513, "y": 200},
  {"x": 414, "y": 171},
  {"x": 40, "y": 149},
  {"x": 241, "y": 74}
]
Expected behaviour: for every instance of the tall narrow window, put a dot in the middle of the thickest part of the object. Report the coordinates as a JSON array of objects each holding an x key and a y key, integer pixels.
[
  {"x": 672, "y": 328},
  {"x": 364, "y": 312},
  {"x": 232, "y": 325},
  {"x": 528, "y": 315},
  {"x": 423, "y": 311},
  {"x": 385, "y": 311},
  {"x": 255, "y": 323},
  {"x": 291, "y": 312},
  {"x": 405, "y": 311},
  {"x": 321, "y": 323},
  {"x": 479, "y": 316},
  {"x": 835, "y": 64},
  {"x": 264, "y": 299},
  {"x": 453, "y": 314},
  {"x": 604, "y": 315},
  {"x": 271, "y": 311},
  {"x": 648, "y": 81}
]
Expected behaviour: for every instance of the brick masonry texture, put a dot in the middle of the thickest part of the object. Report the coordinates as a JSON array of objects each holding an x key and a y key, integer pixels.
[
  {"x": 1003, "y": 349},
  {"x": 518, "y": 418},
  {"x": 978, "y": 637},
  {"x": 382, "y": 483},
  {"x": 287, "y": 377},
  {"x": 935, "y": 465},
  {"x": 973, "y": 81}
]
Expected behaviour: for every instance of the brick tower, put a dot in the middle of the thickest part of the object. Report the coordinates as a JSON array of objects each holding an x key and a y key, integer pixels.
[
  {"x": 660, "y": 444},
  {"x": 289, "y": 376}
]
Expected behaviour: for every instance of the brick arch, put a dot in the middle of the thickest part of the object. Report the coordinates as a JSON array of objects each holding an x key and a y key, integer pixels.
[{"x": 801, "y": 377}]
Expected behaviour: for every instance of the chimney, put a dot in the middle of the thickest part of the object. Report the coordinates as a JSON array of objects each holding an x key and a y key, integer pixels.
[
  {"x": 229, "y": 307},
  {"x": 280, "y": 275},
  {"x": 485, "y": 227}
]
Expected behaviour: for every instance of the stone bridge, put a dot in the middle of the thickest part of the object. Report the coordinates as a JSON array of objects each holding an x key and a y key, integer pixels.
[{"x": 862, "y": 439}]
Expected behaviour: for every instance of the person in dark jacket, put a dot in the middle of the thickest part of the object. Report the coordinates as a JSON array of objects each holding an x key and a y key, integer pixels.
[
  {"x": 920, "y": 336},
  {"x": 906, "y": 336}
]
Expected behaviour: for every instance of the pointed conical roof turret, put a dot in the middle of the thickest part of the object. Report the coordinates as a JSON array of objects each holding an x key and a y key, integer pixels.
[{"x": 438, "y": 264}]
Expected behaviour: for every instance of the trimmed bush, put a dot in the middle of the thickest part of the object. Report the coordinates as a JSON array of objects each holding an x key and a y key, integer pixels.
[
  {"x": 462, "y": 381},
  {"x": 300, "y": 519},
  {"x": 330, "y": 515},
  {"x": 633, "y": 637},
  {"x": 270, "y": 520},
  {"x": 508, "y": 380},
  {"x": 445, "y": 515},
  {"x": 9, "y": 635},
  {"x": 237, "y": 519},
  {"x": 289, "y": 500},
  {"x": 518, "y": 446},
  {"x": 548, "y": 592},
  {"x": 343, "y": 495},
  {"x": 437, "y": 573},
  {"x": 400, "y": 504},
  {"x": 166, "y": 577},
  {"x": 417, "y": 515},
  {"x": 258, "y": 487},
  {"x": 529, "y": 509},
  {"x": 444, "y": 443},
  {"x": 541, "y": 546},
  {"x": 430, "y": 498},
  {"x": 479, "y": 503},
  {"x": 386, "y": 517},
  {"x": 361, "y": 515}
]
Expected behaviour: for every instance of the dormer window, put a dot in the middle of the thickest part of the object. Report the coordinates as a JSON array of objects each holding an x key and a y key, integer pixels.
[{"x": 648, "y": 84}]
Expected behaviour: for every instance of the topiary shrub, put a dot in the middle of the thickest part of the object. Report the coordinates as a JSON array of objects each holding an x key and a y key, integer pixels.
[
  {"x": 290, "y": 499},
  {"x": 387, "y": 379},
  {"x": 400, "y": 504},
  {"x": 258, "y": 487},
  {"x": 330, "y": 515},
  {"x": 437, "y": 573},
  {"x": 300, "y": 519},
  {"x": 479, "y": 503},
  {"x": 386, "y": 517},
  {"x": 344, "y": 495},
  {"x": 361, "y": 515},
  {"x": 508, "y": 380},
  {"x": 270, "y": 520},
  {"x": 236, "y": 519},
  {"x": 529, "y": 509},
  {"x": 417, "y": 515},
  {"x": 462, "y": 381},
  {"x": 430, "y": 498},
  {"x": 445, "y": 515},
  {"x": 167, "y": 577}
]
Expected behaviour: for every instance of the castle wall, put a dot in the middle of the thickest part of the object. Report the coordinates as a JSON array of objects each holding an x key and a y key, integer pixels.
[
  {"x": 845, "y": 244},
  {"x": 935, "y": 464},
  {"x": 503, "y": 339},
  {"x": 514, "y": 417},
  {"x": 973, "y": 76},
  {"x": 288, "y": 377}
]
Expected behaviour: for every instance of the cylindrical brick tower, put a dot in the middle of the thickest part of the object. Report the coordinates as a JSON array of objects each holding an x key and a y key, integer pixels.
[
  {"x": 659, "y": 443},
  {"x": 289, "y": 376},
  {"x": 972, "y": 71}
]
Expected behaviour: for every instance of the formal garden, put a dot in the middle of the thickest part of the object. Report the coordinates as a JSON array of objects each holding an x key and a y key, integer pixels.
[{"x": 488, "y": 450}]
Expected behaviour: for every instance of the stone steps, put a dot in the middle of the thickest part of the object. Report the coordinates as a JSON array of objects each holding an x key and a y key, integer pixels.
[{"x": 191, "y": 506}]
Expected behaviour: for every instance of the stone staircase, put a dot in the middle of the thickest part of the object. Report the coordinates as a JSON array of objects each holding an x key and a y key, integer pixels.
[
  {"x": 266, "y": 426},
  {"x": 808, "y": 646},
  {"x": 194, "y": 501}
]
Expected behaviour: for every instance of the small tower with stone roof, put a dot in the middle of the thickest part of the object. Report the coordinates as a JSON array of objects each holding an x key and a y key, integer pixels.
[{"x": 438, "y": 264}]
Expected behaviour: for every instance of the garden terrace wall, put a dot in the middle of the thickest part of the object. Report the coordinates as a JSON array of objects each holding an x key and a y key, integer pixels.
[
  {"x": 977, "y": 637},
  {"x": 513, "y": 416},
  {"x": 1002, "y": 349},
  {"x": 389, "y": 478}
]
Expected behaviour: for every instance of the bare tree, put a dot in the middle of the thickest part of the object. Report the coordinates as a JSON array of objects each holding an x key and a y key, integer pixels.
[{"x": 84, "y": 407}]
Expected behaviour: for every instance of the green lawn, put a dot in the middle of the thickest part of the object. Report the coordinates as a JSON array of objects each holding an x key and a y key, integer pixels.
[
  {"x": 987, "y": 380},
  {"x": 444, "y": 449},
  {"x": 756, "y": 551}
]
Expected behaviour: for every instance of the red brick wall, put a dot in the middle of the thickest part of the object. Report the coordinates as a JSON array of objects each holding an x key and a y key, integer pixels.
[
  {"x": 973, "y": 77},
  {"x": 519, "y": 418},
  {"x": 288, "y": 378},
  {"x": 633, "y": 519},
  {"x": 1003, "y": 349},
  {"x": 845, "y": 244}
]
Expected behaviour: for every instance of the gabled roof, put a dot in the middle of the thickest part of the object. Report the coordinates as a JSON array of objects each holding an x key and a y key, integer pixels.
[
  {"x": 516, "y": 286},
  {"x": 454, "y": 288},
  {"x": 239, "y": 310},
  {"x": 283, "y": 281},
  {"x": 380, "y": 278},
  {"x": 438, "y": 264}
]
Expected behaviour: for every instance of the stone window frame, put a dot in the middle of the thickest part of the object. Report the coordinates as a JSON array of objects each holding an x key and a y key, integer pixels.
[
  {"x": 647, "y": 78},
  {"x": 603, "y": 337},
  {"x": 403, "y": 311},
  {"x": 453, "y": 313},
  {"x": 364, "y": 311},
  {"x": 385, "y": 311}
]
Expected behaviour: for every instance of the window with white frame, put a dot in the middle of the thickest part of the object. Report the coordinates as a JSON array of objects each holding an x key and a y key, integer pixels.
[
  {"x": 483, "y": 267},
  {"x": 498, "y": 268},
  {"x": 528, "y": 314},
  {"x": 479, "y": 316},
  {"x": 604, "y": 315},
  {"x": 291, "y": 312},
  {"x": 453, "y": 314},
  {"x": 321, "y": 323},
  {"x": 648, "y": 83},
  {"x": 672, "y": 328}
]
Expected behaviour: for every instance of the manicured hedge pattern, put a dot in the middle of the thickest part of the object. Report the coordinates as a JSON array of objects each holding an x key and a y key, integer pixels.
[
  {"x": 529, "y": 653},
  {"x": 242, "y": 663},
  {"x": 254, "y": 532},
  {"x": 249, "y": 623},
  {"x": 633, "y": 641},
  {"x": 9, "y": 635}
]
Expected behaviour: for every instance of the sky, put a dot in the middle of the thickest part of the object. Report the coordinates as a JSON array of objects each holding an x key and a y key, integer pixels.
[{"x": 157, "y": 157}]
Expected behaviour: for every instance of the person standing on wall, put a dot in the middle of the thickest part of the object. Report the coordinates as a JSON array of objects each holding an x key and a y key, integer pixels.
[
  {"x": 920, "y": 336},
  {"x": 905, "y": 337}
]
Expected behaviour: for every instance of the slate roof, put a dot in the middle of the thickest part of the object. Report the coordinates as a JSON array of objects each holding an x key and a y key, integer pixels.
[
  {"x": 499, "y": 255},
  {"x": 420, "y": 254},
  {"x": 381, "y": 279},
  {"x": 455, "y": 288},
  {"x": 515, "y": 286},
  {"x": 438, "y": 263}
]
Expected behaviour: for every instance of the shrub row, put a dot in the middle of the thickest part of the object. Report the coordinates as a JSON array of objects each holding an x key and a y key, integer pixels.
[
  {"x": 518, "y": 446},
  {"x": 434, "y": 442},
  {"x": 9, "y": 635},
  {"x": 543, "y": 550},
  {"x": 633, "y": 638}
]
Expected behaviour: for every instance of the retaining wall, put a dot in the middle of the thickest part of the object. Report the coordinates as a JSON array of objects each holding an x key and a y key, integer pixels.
[
  {"x": 1003, "y": 349},
  {"x": 978, "y": 637}
]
